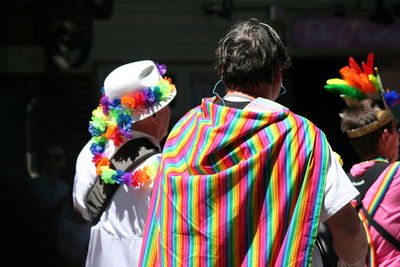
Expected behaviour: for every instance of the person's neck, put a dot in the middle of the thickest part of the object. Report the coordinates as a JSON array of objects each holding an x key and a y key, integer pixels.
[
  {"x": 146, "y": 131},
  {"x": 265, "y": 91}
]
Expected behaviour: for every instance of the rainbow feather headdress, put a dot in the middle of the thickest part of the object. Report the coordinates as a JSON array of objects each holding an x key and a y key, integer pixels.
[
  {"x": 361, "y": 82},
  {"x": 131, "y": 93}
]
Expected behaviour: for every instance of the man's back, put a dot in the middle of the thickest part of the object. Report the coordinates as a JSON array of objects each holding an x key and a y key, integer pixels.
[
  {"x": 239, "y": 187},
  {"x": 245, "y": 187}
]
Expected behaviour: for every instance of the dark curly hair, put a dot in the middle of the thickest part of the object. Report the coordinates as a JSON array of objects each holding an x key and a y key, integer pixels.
[
  {"x": 249, "y": 55},
  {"x": 359, "y": 116}
]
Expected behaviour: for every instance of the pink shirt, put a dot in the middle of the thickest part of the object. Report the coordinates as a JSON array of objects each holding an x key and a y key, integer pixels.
[{"x": 387, "y": 215}]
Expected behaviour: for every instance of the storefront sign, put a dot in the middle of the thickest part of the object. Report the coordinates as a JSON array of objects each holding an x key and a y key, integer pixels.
[{"x": 339, "y": 33}]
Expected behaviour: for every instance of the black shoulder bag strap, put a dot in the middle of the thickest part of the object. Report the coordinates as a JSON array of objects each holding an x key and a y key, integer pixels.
[
  {"x": 363, "y": 183},
  {"x": 381, "y": 230},
  {"x": 127, "y": 158}
]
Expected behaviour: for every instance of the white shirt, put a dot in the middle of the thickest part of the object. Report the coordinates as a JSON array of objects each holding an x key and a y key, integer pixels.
[
  {"x": 338, "y": 188},
  {"x": 116, "y": 239}
]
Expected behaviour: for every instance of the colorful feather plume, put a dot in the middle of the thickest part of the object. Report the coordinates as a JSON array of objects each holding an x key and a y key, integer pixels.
[{"x": 356, "y": 82}]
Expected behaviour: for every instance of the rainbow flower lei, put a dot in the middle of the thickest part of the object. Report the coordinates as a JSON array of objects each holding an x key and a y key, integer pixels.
[
  {"x": 136, "y": 178},
  {"x": 112, "y": 120}
]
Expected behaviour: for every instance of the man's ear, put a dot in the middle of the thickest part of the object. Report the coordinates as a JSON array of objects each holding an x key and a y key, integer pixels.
[
  {"x": 277, "y": 77},
  {"x": 384, "y": 137}
]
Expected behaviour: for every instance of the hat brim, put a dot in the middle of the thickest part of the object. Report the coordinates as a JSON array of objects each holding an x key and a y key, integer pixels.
[{"x": 143, "y": 113}]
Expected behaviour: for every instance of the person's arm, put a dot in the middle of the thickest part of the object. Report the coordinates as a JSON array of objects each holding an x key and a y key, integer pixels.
[
  {"x": 85, "y": 177},
  {"x": 349, "y": 238}
]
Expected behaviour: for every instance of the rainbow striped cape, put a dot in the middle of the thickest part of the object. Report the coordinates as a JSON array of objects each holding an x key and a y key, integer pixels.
[{"x": 237, "y": 188}]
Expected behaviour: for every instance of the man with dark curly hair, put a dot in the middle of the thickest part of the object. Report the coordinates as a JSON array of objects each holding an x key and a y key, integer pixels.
[{"x": 243, "y": 180}]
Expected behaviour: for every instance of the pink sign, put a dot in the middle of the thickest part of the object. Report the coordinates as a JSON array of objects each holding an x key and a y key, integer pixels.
[{"x": 344, "y": 33}]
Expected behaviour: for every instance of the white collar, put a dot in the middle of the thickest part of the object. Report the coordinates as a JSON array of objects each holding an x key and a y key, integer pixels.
[{"x": 236, "y": 98}]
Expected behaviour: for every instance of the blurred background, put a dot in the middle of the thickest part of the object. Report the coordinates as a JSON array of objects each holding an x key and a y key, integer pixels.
[{"x": 55, "y": 54}]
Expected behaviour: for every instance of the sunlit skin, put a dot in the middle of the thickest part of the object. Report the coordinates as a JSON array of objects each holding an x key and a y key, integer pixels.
[
  {"x": 164, "y": 116},
  {"x": 392, "y": 144},
  {"x": 155, "y": 125},
  {"x": 388, "y": 145}
]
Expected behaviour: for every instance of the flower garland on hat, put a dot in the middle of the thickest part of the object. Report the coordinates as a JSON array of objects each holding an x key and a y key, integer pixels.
[{"x": 112, "y": 120}]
